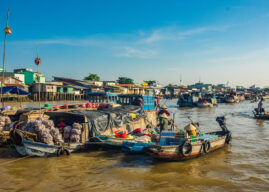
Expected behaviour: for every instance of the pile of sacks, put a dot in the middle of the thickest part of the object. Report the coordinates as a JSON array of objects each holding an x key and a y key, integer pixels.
[
  {"x": 45, "y": 131},
  {"x": 5, "y": 123},
  {"x": 72, "y": 134}
]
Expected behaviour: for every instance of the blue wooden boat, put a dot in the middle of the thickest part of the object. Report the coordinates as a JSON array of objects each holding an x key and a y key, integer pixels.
[
  {"x": 133, "y": 147},
  {"x": 102, "y": 97},
  {"x": 107, "y": 142}
]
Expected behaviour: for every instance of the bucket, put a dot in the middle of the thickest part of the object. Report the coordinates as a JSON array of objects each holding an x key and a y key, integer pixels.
[
  {"x": 47, "y": 105},
  {"x": 120, "y": 134}
]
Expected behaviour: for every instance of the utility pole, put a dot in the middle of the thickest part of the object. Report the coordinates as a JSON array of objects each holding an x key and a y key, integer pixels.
[{"x": 7, "y": 32}]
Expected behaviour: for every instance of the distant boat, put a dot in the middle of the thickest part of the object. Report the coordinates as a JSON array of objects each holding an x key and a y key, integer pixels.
[{"x": 188, "y": 99}]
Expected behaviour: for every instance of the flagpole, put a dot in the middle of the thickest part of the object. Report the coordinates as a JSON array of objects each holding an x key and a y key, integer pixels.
[{"x": 7, "y": 32}]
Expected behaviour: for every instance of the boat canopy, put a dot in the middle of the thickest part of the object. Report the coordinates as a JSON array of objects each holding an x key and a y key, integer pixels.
[
  {"x": 131, "y": 99},
  {"x": 14, "y": 90},
  {"x": 102, "y": 97}
]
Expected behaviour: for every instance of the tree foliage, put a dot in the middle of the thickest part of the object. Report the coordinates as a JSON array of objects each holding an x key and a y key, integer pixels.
[
  {"x": 150, "y": 82},
  {"x": 125, "y": 80},
  {"x": 92, "y": 77}
]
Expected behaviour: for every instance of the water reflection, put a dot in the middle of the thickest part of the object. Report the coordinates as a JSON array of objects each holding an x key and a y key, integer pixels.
[{"x": 242, "y": 166}]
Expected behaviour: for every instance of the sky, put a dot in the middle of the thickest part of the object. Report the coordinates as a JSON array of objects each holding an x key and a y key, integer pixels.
[{"x": 209, "y": 40}]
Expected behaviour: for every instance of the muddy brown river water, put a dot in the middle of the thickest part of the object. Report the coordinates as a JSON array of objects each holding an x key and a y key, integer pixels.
[{"x": 241, "y": 166}]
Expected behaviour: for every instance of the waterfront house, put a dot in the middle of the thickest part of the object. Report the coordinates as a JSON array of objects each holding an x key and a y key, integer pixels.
[
  {"x": 30, "y": 76},
  {"x": 11, "y": 81}
]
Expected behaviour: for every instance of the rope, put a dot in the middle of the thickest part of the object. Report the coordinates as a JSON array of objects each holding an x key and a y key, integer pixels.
[{"x": 14, "y": 160}]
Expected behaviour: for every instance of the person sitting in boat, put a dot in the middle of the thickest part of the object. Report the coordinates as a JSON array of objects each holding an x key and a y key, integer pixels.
[
  {"x": 138, "y": 102},
  {"x": 163, "y": 116},
  {"x": 260, "y": 106}
]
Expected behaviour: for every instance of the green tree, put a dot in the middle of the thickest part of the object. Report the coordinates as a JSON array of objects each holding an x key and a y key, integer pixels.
[
  {"x": 125, "y": 80},
  {"x": 150, "y": 82},
  {"x": 92, "y": 77}
]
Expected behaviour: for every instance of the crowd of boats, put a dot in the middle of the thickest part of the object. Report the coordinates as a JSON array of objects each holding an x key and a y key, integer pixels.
[
  {"x": 130, "y": 124},
  {"x": 211, "y": 99}
]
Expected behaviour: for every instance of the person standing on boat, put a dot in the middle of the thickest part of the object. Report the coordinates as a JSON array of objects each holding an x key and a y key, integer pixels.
[
  {"x": 260, "y": 105},
  {"x": 163, "y": 116}
]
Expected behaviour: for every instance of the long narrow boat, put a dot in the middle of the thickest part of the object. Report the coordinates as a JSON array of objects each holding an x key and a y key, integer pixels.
[
  {"x": 258, "y": 115},
  {"x": 184, "y": 149},
  {"x": 107, "y": 142}
]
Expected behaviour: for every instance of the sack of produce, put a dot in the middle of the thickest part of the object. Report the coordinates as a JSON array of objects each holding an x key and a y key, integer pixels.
[
  {"x": 75, "y": 133},
  {"x": 74, "y": 138},
  {"x": 77, "y": 126},
  {"x": 66, "y": 133},
  {"x": 5, "y": 123}
]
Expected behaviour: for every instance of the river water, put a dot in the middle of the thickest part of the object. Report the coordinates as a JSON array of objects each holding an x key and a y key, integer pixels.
[{"x": 241, "y": 166}]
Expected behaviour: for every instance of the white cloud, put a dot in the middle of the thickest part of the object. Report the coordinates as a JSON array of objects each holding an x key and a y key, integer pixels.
[
  {"x": 175, "y": 33},
  {"x": 133, "y": 52},
  {"x": 141, "y": 44}
]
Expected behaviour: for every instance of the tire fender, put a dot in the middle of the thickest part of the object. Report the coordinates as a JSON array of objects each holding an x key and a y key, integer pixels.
[
  {"x": 206, "y": 146},
  {"x": 63, "y": 151},
  {"x": 186, "y": 148}
]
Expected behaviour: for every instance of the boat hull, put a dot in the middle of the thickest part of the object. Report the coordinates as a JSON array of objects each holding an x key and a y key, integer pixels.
[
  {"x": 173, "y": 153},
  {"x": 204, "y": 105},
  {"x": 31, "y": 148},
  {"x": 263, "y": 117}
]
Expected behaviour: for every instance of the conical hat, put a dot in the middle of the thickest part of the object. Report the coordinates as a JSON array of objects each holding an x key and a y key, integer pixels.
[
  {"x": 164, "y": 115},
  {"x": 190, "y": 127},
  {"x": 163, "y": 107}
]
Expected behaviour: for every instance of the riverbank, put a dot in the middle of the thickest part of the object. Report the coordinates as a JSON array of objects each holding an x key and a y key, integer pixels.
[{"x": 36, "y": 104}]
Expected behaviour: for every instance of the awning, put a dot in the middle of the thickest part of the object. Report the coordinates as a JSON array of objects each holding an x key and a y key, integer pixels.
[{"x": 14, "y": 90}]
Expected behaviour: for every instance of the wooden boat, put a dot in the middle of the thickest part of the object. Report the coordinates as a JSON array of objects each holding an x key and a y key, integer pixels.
[
  {"x": 204, "y": 103},
  {"x": 94, "y": 123},
  {"x": 258, "y": 115},
  {"x": 135, "y": 147},
  {"x": 188, "y": 99},
  {"x": 107, "y": 142},
  {"x": 185, "y": 149},
  {"x": 32, "y": 148},
  {"x": 27, "y": 144},
  {"x": 129, "y": 145}
]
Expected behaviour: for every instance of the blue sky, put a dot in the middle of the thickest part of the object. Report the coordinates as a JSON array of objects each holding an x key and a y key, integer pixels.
[{"x": 216, "y": 41}]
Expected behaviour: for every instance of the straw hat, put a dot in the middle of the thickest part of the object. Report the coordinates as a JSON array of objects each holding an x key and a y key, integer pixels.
[
  {"x": 164, "y": 115},
  {"x": 190, "y": 127},
  {"x": 163, "y": 107}
]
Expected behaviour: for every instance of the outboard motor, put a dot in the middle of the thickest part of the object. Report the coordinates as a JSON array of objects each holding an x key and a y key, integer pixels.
[{"x": 222, "y": 122}]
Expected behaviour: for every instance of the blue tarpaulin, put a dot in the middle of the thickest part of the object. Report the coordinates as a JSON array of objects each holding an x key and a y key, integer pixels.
[{"x": 14, "y": 90}]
